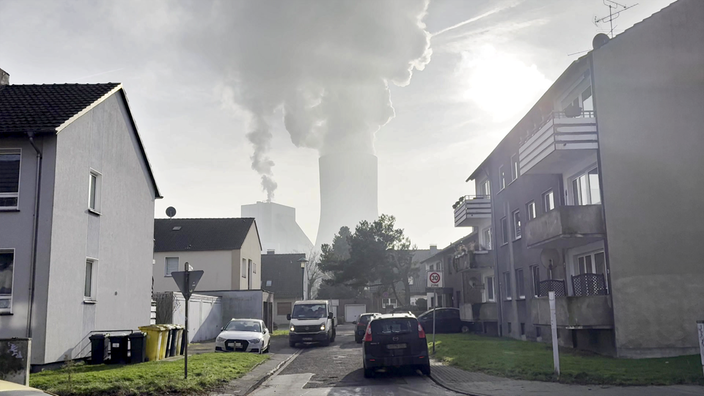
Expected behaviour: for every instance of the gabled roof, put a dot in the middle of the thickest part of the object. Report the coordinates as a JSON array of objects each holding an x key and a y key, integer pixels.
[
  {"x": 49, "y": 108},
  {"x": 177, "y": 235},
  {"x": 285, "y": 273}
]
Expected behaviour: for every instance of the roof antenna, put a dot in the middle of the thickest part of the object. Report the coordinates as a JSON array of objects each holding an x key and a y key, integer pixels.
[{"x": 615, "y": 10}]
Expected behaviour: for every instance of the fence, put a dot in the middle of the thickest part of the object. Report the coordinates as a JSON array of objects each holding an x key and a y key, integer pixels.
[
  {"x": 589, "y": 285},
  {"x": 556, "y": 285}
]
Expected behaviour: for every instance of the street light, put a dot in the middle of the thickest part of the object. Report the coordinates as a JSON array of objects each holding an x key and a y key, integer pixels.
[{"x": 303, "y": 262}]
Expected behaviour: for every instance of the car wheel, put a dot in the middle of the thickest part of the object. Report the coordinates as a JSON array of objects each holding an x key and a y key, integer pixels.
[
  {"x": 368, "y": 373},
  {"x": 266, "y": 350},
  {"x": 425, "y": 369},
  {"x": 292, "y": 344},
  {"x": 464, "y": 329}
]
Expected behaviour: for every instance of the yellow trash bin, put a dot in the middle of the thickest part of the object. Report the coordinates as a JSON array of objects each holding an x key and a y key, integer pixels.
[
  {"x": 153, "y": 341},
  {"x": 179, "y": 339},
  {"x": 164, "y": 335}
]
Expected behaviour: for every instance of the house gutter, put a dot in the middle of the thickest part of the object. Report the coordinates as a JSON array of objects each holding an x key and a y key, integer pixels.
[{"x": 35, "y": 233}]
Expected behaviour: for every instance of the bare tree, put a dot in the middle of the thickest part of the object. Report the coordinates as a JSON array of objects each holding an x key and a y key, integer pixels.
[{"x": 313, "y": 274}]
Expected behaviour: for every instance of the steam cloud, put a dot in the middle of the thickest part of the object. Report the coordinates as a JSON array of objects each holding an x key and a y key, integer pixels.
[{"x": 326, "y": 64}]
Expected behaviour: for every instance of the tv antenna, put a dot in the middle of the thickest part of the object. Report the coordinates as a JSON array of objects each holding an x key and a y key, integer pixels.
[{"x": 615, "y": 10}]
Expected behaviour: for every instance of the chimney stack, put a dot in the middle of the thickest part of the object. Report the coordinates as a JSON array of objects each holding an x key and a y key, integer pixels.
[
  {"x": 271, "y": 251},
  {"x": 4, "y": 77}
]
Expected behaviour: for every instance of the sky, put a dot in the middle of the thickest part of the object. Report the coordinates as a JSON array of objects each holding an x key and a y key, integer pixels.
[{"x": 236, "y": 100}]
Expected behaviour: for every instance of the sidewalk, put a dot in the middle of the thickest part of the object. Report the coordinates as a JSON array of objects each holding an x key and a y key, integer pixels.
[{"x": 479, "y": 384}]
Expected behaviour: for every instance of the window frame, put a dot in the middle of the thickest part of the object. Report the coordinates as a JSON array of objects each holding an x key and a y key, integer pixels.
[
  {"x": 167, "y": 274},
  {"x": 516, "y": 217},
  {"x": 514, "y": 168},
  {"x": 531, "y": 212},
  {"x": 489, "y": 282},
  {"x": 10, "y": 296},
  {"x": 92, "y": 297},
  {"x": 535, "y": 270},
  {"x": 486, "y": 236},
  {"x": 94, "y": 195},
  {"x": 504, "y": 231},
  {"x": 584, "y": 179},
  {"x": 547, "y": 193},
  {"x": 507, "y": 286},
  {"x": 243, "y": 268},
  {"x": 486, "y": 188},
  {"x": 502, "y": 178},
  {"x": 15, "y": 195},
  {"x": 520, "y": 285}
]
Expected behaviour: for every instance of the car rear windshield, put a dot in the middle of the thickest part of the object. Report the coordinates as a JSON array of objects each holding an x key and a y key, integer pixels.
[
  {"x": 394, "y": 326},
  {"x": 364, "y": 319}
]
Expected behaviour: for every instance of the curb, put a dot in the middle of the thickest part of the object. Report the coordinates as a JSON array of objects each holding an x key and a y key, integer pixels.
[
  {"x": 452, "y": 388},
  {"x": 272, "y": 372}
]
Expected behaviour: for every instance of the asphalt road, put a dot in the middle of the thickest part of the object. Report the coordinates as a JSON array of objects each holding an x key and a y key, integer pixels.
[{"x": 337, "y": 370}]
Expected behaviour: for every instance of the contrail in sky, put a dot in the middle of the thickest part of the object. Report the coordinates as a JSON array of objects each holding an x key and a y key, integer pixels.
[
  {"x": 471, "y": 20},
  {"x": 97, "y": 74}
]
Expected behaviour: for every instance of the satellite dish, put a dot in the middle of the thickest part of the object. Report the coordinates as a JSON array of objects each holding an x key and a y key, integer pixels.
[
  {"x": 550, "y": 258},
  {"x": 599, "y": 40},
  {"x": 171, "y": 211}
]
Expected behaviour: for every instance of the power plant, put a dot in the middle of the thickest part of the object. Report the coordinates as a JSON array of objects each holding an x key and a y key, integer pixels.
[
  {"x": 277, "y": 227},
  {"x": 348, "y": 192}
]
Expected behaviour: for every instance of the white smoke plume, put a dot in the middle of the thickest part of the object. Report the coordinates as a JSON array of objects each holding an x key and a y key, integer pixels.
[{"x": 327, "y": 64}]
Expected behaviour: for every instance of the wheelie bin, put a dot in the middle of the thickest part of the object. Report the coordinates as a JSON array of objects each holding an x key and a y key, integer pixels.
[
  {"x": 137, "y": 347},
  {"x": 97, "y": 348},
  {"x": 118, "y": 348},
  {"x": 179, "y": 339},
  {"x": 153, "y": 344},
  {"x": 169, "y": 339},
  {"x": 164, "y": 335}
]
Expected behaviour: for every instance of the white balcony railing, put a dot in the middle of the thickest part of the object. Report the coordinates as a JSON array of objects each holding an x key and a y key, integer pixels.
[{"x": 471, "y": 210}]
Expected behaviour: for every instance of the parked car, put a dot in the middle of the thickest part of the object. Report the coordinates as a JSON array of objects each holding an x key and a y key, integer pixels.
[
  {"x": 361, "y": 325},
  {"x": 311, "y": 321},
  {"x": 395, "y": 340},
  {"x": 244, "y": 335},
  {"x": 447, "y": 320},
  {"x": 13, "y": 389}
]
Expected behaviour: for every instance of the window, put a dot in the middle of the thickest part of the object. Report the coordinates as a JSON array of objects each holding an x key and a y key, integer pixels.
[
  {"x": 268, "y": 283},
  {"x": 587, "y": 100},
  {"x": 504, "y": 230},
  {"x": 592, "y": 263},
  {"x": 243, "y": 271},
  {"x": 535, "y": 271},
  {"x": 171, "y": 265},
  {"x": 548, "y": 201},
  {"x": 89, "y": 286},
  {"x": 585, "y": 188},
  {"x": 507, "y": 285},
  {"x": 490, "y": 288},
  {"x": 502, "y": 178},
  {"x": 523, "y": 329},
  {"x": 530, "y": 210},
  {"x": 7, "y": 266},
  {"x": 94, "y": 191},
  {"x": 537, "y": 332},
  {"x": 517, "y": 225},
  {"x": 520, "y": 287},
  {"x": 254, "y": 267},
  {"x": 486, "y": 235},
  {"x": 514, "y": 167},
  {"x": 249, "y": 268},
  {"x": 283, "y": 308},
  {"x": 486, "y": 188},
  {"x": 509, "y": 327},
  {"x": 9, "y": 178}
]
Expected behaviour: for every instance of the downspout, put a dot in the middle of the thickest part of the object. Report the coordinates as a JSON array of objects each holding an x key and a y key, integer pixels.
[
  {"x": 603, "y": 203},
  {"x": 35, "y": 233},
  {"x": 497, "y": 289}
]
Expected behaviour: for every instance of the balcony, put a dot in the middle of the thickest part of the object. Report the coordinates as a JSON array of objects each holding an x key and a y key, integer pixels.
[
  {"x": 472, "y": 211},
  {"x": 586, "y": 312},
  {"x": 560, "y": 140},
  {"x": 566, "y": 227}
]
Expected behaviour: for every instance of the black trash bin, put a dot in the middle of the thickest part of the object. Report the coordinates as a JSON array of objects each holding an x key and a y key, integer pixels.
[
  {"x": 173, "y": 333},
  {"x": 138, "y": 352},
  {"x": 169, "y": 341},
  {"x": 118, "y": 348},
  {"x": 97, "y": 348}
]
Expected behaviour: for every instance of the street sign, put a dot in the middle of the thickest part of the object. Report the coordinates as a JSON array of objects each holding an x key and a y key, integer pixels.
[
  {"x": 435, "y": 279},
  {"x": 187, "y": 286}
]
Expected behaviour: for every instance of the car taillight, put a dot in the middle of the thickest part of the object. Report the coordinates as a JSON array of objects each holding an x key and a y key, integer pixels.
[
  {"x": 421, "y": 332},
  {"x": 368, "y": 334}
]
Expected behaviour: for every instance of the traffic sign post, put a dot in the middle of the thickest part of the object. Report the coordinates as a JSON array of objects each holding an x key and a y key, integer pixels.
[
  {"x": 186, "y": 281},
  {"x": 435, "y": 280}
]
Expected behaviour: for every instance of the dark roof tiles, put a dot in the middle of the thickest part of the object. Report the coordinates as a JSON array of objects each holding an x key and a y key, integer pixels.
[
  {"x": 43, "y": 108},
  {"x": 177, "y": 235}
]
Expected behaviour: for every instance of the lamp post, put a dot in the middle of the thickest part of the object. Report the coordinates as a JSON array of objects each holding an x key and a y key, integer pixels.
[{"x": 303, "y": 262}]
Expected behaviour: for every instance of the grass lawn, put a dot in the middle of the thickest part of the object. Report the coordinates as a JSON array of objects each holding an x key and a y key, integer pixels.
[
  {"x": 280, "y": 333},
  {"x": 205, "y": 372},
  {"x": 533, "y": 361}
]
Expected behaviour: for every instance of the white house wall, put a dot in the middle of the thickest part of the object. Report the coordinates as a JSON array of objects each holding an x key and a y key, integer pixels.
[
  {"x": 120, "y": 238},
  {"x": 250, "y": 250},
  {"x": 217, "y": 267}
]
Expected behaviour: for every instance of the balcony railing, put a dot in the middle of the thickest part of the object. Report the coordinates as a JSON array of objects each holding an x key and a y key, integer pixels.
[
  {"x": 556, "y": 285},
  {"x": 559, "y": 138},
  {"x": 565, "y": 227},
  {"x": 589, "y": 285},
  {"x": 470, "y": 210}
]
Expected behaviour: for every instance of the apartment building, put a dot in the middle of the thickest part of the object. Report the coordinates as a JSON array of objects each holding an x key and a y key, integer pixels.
[{"x": 595, "y": 194}]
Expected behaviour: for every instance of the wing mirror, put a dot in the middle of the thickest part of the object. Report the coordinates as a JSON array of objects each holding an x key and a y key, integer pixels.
[
  {"x": 354, "y": 322},
  {"x": 329, "y": 315},
  {"x": 288, "y": 316}
]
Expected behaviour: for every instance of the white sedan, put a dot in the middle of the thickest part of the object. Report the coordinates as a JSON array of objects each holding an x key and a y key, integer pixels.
[{"x": 244, "y": 335}]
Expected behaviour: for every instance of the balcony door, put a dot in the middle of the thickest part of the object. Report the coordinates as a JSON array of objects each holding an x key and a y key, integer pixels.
[{"x": 590, "y": 278}]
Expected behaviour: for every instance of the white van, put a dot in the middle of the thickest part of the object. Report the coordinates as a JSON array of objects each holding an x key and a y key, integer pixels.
[{"x": 311, "y": 321}]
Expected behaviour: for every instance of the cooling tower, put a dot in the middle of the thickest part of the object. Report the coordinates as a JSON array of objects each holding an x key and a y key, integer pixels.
[
  {"x": 348, "y": 193},
  {"x": 278, "y": 229}
]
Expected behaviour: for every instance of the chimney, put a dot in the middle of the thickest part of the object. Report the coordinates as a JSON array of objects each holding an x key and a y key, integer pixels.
[
  {"x": 433, "y": 249},
  {"x": 271, "y": 251},
  {"x": 4, "y": 77}
]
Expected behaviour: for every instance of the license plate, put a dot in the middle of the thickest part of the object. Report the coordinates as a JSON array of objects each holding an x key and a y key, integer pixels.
[
  {"x": 307, "y": 338},
  {"x": 396, "y": 346},
  {"x": 238, "y": 345}
]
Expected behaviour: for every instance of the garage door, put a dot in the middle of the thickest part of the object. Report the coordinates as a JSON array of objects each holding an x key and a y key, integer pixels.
[{"x": 352, "y": 311}]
